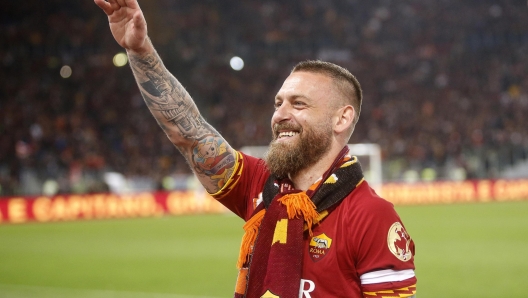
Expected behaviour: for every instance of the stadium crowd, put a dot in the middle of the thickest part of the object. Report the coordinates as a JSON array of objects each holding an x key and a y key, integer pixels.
[{"x": 445, "y": 83}]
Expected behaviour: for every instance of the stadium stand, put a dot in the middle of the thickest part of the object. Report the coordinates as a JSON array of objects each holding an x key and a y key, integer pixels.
[{"x": 445, "y": 83}]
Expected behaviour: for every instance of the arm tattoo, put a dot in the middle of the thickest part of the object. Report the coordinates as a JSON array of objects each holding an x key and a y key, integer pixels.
[
  {"x": 212, "y": 158},
  {"x": 163, "y": 93},
  {"x": 209, "y": 154}
]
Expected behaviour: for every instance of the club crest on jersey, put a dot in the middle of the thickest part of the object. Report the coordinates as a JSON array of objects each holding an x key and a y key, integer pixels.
[
  {"x": 399, "y": 241},
  {"x": 269, "y": 294},
  {"x": 319, "y": 247}
]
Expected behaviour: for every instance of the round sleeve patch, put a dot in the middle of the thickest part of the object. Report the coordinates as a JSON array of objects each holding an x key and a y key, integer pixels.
[{"x": 399, "y": 241}]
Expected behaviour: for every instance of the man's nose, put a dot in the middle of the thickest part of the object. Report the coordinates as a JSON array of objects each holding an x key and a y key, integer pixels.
[{"x": 283, "y": 112}]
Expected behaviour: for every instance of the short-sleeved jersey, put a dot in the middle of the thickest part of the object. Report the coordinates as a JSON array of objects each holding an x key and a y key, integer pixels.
[{"x": 360, "y": 247}]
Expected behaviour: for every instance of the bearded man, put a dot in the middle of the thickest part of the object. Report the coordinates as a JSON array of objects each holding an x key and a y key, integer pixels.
[{"x": 314, "y": 227}]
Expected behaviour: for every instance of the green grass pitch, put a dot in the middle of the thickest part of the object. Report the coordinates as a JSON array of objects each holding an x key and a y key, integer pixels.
[{"x": 465, "y": 250}]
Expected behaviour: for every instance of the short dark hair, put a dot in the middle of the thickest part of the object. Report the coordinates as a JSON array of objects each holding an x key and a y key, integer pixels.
[{"x": 345, "y": 81}]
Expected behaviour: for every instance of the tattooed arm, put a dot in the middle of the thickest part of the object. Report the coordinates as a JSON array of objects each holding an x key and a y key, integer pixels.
[
  {"x": 206, "y": 151},
  {"x": 210, "y": 156}
]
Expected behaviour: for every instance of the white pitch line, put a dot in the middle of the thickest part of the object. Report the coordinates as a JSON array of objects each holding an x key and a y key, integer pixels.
[{"x": 23, "y": 291}]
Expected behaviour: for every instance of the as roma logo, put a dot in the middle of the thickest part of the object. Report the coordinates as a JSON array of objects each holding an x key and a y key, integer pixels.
[
  {"x": 319, "y": 247},
  {"x": 399, "y": 242},
  {"x": 269, "y": 294}
]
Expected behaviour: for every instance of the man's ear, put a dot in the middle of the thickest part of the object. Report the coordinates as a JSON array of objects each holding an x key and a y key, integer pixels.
[{"x": 344, "y": 118}]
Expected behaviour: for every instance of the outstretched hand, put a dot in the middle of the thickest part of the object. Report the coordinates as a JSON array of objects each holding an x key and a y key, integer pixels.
[{"x": 127, "y": 23}]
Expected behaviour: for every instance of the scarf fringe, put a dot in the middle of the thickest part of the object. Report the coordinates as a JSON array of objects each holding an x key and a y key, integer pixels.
[
  {"x": 251, "y": 228},
  {"x": 300, "y": 205}
]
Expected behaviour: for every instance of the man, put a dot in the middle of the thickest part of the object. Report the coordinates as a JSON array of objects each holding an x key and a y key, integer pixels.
[{"x": 314, "y": 228}]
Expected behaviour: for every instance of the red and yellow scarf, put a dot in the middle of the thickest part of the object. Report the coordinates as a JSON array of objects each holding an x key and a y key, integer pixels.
[{"x": 270, "y": 260}]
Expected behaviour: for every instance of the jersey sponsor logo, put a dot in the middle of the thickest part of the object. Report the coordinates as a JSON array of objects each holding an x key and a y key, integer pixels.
[
  {"x": 399, "y": 241},
  {"x": 319, "y": 247}
]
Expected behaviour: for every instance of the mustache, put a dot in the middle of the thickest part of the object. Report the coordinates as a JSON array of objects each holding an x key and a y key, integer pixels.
[{"x": 285, "y": 126}]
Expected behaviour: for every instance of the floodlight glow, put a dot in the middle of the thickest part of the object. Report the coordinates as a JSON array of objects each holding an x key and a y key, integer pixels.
[
  {"x": 236, "y": 63},
  {"x": 66, "y": 71},
  {"x": 120, "y": 59}
]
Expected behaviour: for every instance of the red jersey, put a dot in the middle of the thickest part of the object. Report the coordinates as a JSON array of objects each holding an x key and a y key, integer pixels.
[{"x": 358, "y": 250}]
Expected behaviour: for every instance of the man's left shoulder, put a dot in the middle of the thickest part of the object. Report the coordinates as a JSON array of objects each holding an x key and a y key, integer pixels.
[{"x": 365, "y": 197}]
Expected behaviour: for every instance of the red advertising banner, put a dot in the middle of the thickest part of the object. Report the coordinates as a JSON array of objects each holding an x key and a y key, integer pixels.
[
  {"x": 447, "y": 192},
  {"x": 100, "y": 206}
]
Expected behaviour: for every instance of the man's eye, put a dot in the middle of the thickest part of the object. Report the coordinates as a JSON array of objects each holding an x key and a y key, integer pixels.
[
  {"x": 299, "y": 103},
  {"x": 277, "y": 105}
]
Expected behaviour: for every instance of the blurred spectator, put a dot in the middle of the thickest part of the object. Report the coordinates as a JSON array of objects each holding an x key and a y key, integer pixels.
[{"x": 445, "y": 83}]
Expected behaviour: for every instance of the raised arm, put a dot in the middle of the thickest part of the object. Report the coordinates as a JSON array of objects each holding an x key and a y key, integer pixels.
[{"x": 210, "y": 156}]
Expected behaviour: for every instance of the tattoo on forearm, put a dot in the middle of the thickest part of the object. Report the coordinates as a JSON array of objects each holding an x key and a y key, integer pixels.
[
  {"x": 172, "y": 106},
  {"x": 212, "y": 158},
  {"x": 163, "y": 93}
]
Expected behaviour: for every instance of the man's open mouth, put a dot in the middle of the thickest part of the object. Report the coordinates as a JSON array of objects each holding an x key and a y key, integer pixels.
[{"x": 286, "y": 134}]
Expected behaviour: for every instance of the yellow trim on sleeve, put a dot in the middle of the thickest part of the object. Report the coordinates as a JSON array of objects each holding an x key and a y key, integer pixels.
[
  {"x": 397, "y": 293},
  {"x": 233, "y": 179}
]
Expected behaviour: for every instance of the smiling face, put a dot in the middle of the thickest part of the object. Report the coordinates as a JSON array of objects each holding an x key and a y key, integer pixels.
[{"x": 302, "y": 124}]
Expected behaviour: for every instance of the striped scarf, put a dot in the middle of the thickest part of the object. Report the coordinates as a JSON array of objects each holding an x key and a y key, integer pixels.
[{"x": 270, "y": 260}]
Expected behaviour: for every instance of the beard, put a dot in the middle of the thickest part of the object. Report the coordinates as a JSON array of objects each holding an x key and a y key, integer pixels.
[{"x": 289, "y": 158}]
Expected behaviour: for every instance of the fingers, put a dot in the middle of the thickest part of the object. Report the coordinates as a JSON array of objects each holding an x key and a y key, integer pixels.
[
  {"x": 131, "y": 3},
  {"x": 105, "y": 6},
  {"x": 140, "y": 23},
  {"x": 128, "y": 3},
  {"x": 109, "y": 6},
  {"x": 121, "y": 3},
  {"x": 116, "y": 4}
]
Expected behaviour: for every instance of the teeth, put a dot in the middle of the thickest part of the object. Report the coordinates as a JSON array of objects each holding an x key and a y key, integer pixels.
[{"x": 287, "y": 134}]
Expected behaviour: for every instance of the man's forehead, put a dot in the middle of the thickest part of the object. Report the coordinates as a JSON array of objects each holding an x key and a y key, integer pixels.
[
  {"x": 307, "y": 76},
  {"x": 302, "y": 84}
]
